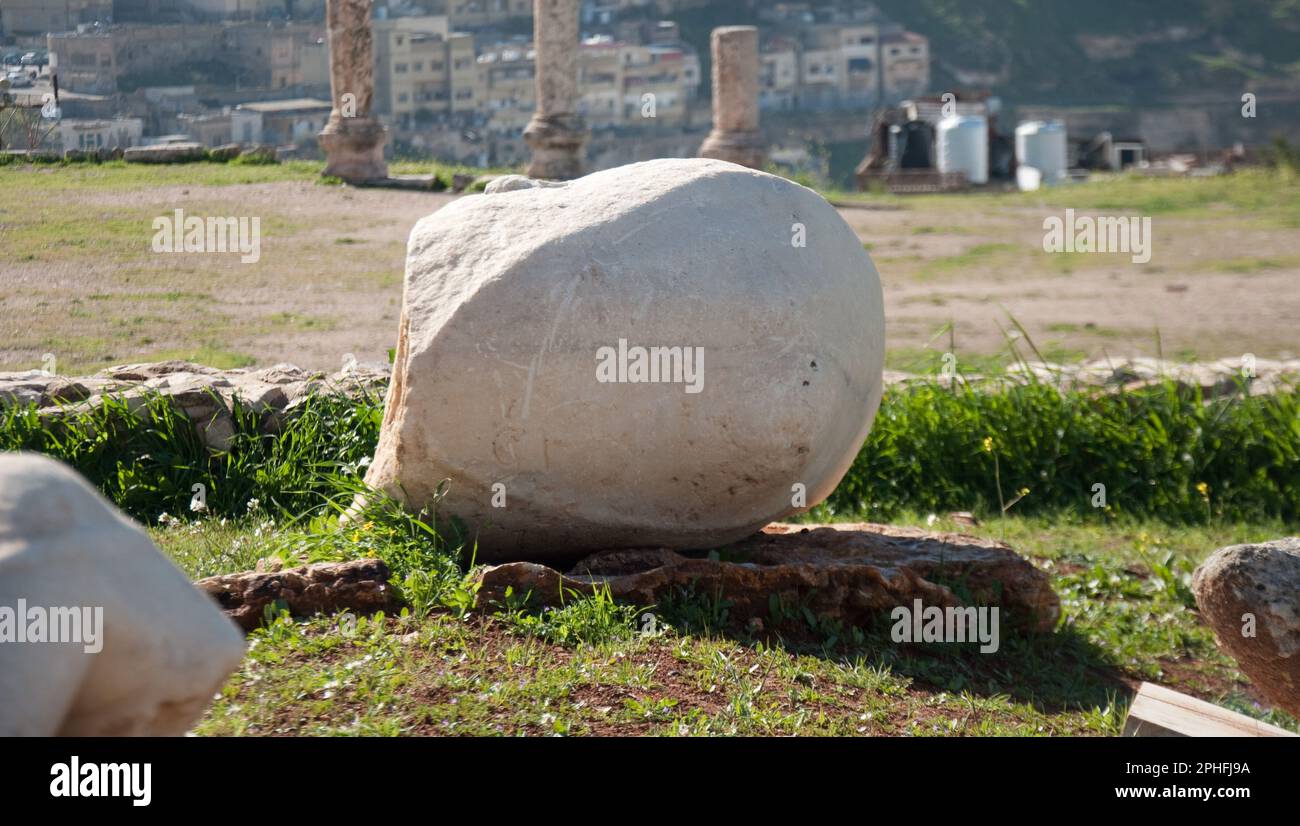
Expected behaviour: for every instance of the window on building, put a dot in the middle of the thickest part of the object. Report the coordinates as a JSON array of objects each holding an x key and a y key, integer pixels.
[{"x": 399, "y": 68}]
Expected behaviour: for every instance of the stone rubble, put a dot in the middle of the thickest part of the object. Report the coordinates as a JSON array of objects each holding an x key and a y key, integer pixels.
[
  {"x": 159, "y": 649},
  {"x": 1250, "y": 596},
  {"x": 854, "y": 573},
  {"x": 205, "y": 395},
  {"x": 280, "y": 388},
  {"x": 359, "y": 586}
]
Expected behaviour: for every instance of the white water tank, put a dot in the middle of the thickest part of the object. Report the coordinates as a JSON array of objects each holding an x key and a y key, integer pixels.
[
  {"x": 962, "y": 144},
  {"x": 1041, "y": 144}
]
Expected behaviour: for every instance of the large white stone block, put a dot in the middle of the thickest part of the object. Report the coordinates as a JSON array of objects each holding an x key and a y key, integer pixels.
[{"x": 520, "y": 306}]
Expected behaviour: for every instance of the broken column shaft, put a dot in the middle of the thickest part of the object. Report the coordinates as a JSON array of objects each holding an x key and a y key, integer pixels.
[
  {"x": 735, "y": 136},
  {"x": 353, "y": 139},
  {"x": 556, "y": 133}
]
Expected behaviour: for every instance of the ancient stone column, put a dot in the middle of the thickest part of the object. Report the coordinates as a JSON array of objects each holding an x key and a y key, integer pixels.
[
  {"x": 556, "y": 133},
  {"x": 735, "y": 136},
  {"x": 353, "y": 139}
]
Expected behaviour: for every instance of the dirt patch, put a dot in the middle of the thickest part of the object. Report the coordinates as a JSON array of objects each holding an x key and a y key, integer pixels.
[{"x": 84, "y": 285}]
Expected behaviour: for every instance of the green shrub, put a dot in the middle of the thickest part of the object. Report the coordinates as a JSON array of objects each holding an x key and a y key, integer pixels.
[
  {"x": 147, "y": 460},
  {"x": 1160, "y": 452}
]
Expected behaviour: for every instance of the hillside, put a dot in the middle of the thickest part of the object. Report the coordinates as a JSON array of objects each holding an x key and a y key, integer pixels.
[{"x": 1099, "y": 52}]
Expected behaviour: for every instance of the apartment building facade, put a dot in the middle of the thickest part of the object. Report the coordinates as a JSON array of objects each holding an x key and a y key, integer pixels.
[
  {"x": 24, "y": 18},
  {"x": 279, "y": 122},
  {"x": 426, "y": 71},
  {"x": 839, "y": 63},
  {"x": 89, "y": 135},
  {"x": 412, "y": 71},
  {"x": 107, "y": 59}
]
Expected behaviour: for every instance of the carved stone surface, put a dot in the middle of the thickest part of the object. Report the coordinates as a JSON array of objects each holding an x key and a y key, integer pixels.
[{"x": 735, "y": 136}]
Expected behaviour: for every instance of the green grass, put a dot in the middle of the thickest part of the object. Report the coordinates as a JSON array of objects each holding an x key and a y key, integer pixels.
[
  {"x": 975, "y": 256},
  {"x": 147, "y": 460},
  {"x": 593, "y": 666},
  {"x": 1269, "y": 198},
  {"x": 121, "y": 175},
  {"x": 1182, "y": 477},
  {"x": 52, "y": 235},
  {"x": 62, "y": 176},
  {"x": 1250, "y": 264},
  {"x": 1161, "y": 452}
]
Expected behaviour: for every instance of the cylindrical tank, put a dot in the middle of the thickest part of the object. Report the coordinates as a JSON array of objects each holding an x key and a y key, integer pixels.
[
  {"x": 962, "y": 145},
  {"x": 917, "y": 146},
  {"x": 1041, "y": 144}
]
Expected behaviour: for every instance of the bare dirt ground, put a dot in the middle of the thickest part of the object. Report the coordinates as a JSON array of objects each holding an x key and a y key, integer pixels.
[
  {"x": 79, "y": 281},
  {"x": 1195, "y": 299}
]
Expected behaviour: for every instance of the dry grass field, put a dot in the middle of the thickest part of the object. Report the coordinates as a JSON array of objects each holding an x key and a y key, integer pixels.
[{"x": 79, "y": 280}]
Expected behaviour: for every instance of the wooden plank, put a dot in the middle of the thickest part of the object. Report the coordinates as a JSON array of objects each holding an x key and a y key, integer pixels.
[{"x": 1162, "y": 712}]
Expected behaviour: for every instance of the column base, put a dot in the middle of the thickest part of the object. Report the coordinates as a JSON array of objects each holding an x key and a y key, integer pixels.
[
  {"x": 744, "y": 148},
  {"x": 559, "y": 147},
  {"x": 354, "y": 149}
]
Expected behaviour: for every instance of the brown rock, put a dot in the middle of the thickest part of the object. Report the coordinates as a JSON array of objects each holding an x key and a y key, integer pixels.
[
  {"x": 1250, "y": 596},
  {"x": 322, "y": 588},
  {"x": 225, "y": 152},
  {"x": 849, "y": 572},
  {"x": 461, "y": 181},
  {"x": 181, "y": 152}
]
